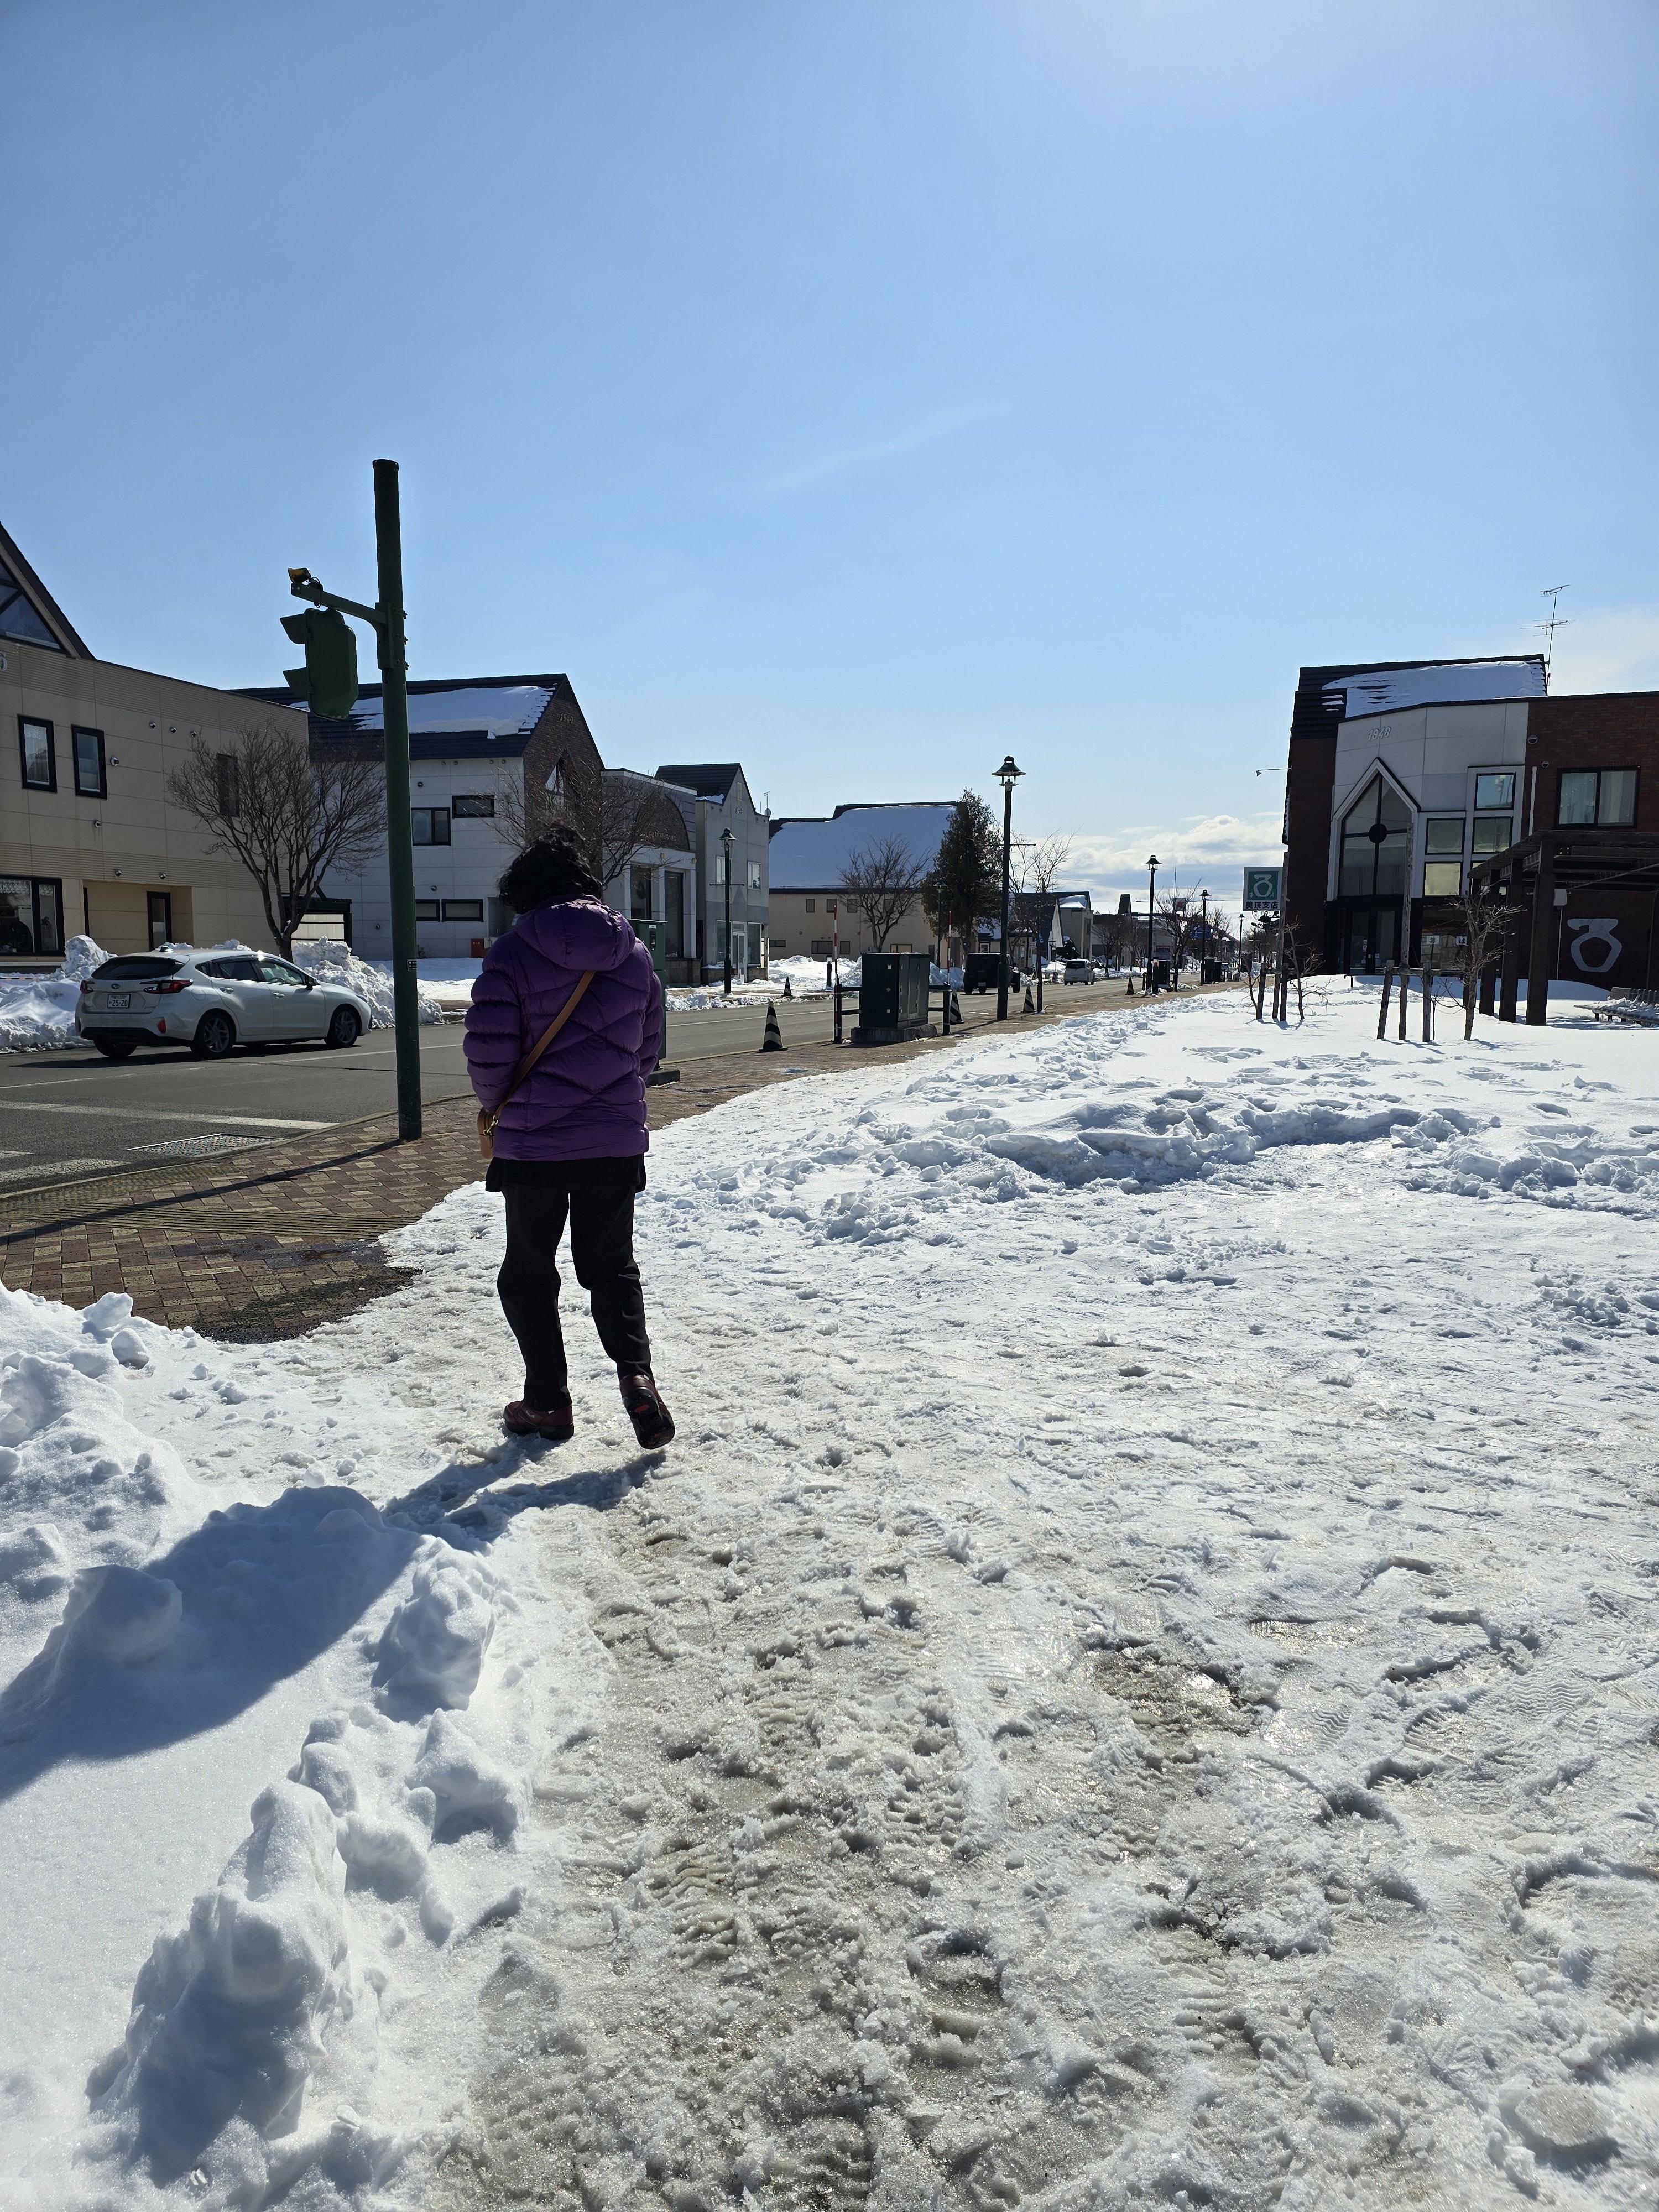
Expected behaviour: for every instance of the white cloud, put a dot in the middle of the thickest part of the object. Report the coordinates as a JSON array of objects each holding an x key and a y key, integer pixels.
[
  {"x": 925, "y": 433},
  {"x": 1207, "y": 851},
  {"x": 1608, "y": 650}
]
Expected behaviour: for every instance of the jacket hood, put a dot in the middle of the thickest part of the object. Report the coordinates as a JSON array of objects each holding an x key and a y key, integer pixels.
[{"x": 577, "y": 933}]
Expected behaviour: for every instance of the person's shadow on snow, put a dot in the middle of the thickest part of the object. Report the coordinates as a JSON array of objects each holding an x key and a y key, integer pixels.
[{"x": 141, "y": 1657}]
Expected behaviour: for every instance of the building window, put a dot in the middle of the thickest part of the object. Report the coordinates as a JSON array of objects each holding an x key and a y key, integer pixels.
[
  {"x": 812, "y": 905},
  {"x": 159, "y": 906},
  {"x": 1443, "y": 836},
  {"x": 473, "y": 807},
  {"x": 89, "y": 782},
  {"x": 720, "y": 868},
  {"x": 1443, "y": 879},
  {"x": 1600, "y": 795},
  {"x": 229, "y": 770},
  {"x": 31, "y": 915},
  {"x": 425, "y": 909},
  {"x": 1493, "y": 833},
  {"x": 463, "y": 910},
  {"x": 1494, "y": 790},
  {"x": 754, "y": 875},
  {"x": 39, "y": 755},
  {"x": 430, "y": 826},
  {"x": 1375, "y": 844}
]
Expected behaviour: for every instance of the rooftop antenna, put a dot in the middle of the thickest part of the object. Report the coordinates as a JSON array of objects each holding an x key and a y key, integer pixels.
[{"x": 1556, "y": 621}]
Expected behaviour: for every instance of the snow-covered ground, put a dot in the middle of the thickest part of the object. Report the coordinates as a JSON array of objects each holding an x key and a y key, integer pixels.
[{"x": 1134, "y": 1687}]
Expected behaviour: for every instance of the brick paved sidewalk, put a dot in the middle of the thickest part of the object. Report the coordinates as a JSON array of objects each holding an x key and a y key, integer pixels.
[{"x": 279, "y": 1242}]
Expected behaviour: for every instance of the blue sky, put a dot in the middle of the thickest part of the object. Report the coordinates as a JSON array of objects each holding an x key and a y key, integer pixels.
[{"x": 859, "y": 390}]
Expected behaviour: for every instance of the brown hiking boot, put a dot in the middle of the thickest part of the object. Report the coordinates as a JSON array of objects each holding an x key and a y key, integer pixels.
[{"x": 653, "y": 1425}]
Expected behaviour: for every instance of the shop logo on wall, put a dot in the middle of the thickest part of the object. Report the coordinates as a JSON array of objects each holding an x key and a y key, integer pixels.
[
  {"x": 1262, "y": 890},
  {"x": 1601, "y": 930}
]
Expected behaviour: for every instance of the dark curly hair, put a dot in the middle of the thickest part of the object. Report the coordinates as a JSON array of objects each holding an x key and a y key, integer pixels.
[{"x": 551, "y": 868}]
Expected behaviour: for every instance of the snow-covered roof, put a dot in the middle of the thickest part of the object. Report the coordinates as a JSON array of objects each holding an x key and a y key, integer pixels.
[
  {"x": 1449, "y": 683},
  {"x": 499, "y": 710},
  {"x": 813, "y": 856}
]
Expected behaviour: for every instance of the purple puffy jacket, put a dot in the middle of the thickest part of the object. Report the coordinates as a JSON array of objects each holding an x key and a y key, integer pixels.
[{"x": 585, "y": 1098}]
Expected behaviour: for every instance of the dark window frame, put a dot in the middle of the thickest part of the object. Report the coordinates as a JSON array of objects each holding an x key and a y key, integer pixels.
[
  {"x": 1595, "y": 821},
  {"x": 37, "y": 722},
  {"x": 77, "y": 730},
  {"x": 37, "y": 884},
  {"x": 432, "y": 836},
  {"x": 421, "y": 913},
  {"x": 474, "y": 913},
  {"x": 472, "y": 805}
]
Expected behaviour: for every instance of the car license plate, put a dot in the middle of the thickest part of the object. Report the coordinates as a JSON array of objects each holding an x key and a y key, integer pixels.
[{"x": 118, "y": 1002}]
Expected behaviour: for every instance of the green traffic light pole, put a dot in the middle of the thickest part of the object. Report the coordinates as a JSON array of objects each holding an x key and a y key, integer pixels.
[{"x": 388, "y": 619}]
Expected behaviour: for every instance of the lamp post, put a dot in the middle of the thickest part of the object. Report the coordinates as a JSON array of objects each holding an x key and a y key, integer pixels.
[
  {"x": 1151, "y": 914},
  {"x": 1203, "y": 933},
  {"x": 1007, "y": 775},
  {"x": 725, "y": 871}
]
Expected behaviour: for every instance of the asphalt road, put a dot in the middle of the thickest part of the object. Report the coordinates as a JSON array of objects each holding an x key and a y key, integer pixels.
[{"x": 67, "y": 1113}]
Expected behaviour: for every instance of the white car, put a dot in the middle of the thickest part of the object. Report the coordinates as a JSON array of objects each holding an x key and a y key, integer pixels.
[{"x": 212, "y": 1001}]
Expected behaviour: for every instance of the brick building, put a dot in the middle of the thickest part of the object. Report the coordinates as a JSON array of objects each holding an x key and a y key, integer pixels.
[{"x": 1405, "y": 777}]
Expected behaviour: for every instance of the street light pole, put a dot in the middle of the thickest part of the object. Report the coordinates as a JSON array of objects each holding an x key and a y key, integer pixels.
[
  {"x": 1152, "y": 914},
  {"x": 725, "y": 870},
  {"x": 1007, "y": 775},
  {"x": 1203, "y": 934}
]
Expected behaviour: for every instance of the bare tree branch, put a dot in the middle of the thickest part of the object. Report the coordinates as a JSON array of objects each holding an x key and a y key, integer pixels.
[
  {"x": 1481, "y": 925},
  {"x": 606, "y": 813},
  {"x": 885, "y": 881},
  {"x": 288, "y": 819}
]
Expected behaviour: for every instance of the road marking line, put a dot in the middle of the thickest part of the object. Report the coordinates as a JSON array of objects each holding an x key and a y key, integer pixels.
[
  {"x": 53, "y": 1167},
  {"x": 137, "y": 1113}
]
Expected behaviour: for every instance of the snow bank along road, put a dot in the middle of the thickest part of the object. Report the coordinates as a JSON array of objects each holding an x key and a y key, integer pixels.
[{"x": 1135, "y": 1686}]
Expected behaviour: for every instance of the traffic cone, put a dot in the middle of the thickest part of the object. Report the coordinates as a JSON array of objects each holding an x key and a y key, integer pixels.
[
  {"x": 956, "y": 1011},
  {"x": 1029, "y": 1007},
  {"x": 1131, "y": 992},
  {"x": 773, "y": 1034},
  {"x": 787, "y": 993}
]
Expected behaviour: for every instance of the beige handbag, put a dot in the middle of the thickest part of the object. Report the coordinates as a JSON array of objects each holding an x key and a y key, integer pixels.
[{"x": 489, "y": 1115}]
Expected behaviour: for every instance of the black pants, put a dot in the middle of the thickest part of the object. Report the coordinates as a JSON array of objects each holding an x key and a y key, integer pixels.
[{"x": 597, "y": 1196}]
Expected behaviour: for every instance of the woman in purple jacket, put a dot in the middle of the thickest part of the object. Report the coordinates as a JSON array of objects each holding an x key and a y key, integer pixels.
[{"x": 572, "y": 1138}]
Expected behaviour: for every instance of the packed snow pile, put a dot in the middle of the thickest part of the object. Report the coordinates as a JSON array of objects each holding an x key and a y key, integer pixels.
[
  {"x": 37, "y": 1012},
  {"x": 331, "y": 960},
  {"x": 1137, "y": 1690}
]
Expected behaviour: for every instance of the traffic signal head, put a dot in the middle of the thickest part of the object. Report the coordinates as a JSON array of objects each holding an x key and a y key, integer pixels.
[{"x": 328, "y": 682}]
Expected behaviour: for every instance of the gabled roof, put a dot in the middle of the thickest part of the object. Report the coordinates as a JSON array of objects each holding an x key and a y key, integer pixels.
[
  {"x": 708, "y": 779},
  {"x": 28, "y": 612},
  {"x": 814, "y": 855},
  {"x": 1341, "y": 689},
  {"x": 449, "y": 718}
]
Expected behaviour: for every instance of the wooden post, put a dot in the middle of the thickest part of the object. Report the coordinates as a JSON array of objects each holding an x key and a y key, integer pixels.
[
  {"x": 1383, "y": 1011},
  {"x": 1428, "y": 1005},
  {"x": 1405, "y": 995},
  {"x": 1489, "y": 987},
  {"x": 1509, "y": 993},
  {"x": 1543, "y": 924}
]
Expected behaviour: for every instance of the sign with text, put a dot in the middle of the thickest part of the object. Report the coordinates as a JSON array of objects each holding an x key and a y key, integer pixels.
[{"x": 1261, "y": 889}]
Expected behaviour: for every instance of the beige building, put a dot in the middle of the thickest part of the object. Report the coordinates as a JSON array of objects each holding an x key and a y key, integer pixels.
[
  {"x": 812, "y": 856},
  {"x": 88, "y": 840}
]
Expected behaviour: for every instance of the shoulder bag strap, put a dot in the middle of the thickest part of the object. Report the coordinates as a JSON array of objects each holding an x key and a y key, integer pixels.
[{"x": 543, "y": 1042}]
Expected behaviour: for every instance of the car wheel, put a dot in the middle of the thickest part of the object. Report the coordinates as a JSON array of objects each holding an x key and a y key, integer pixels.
[
  {"x": 344, "y": 1028},
  {"x": 215, "y": 1035},
  {"x": 117, "y": 1048}
]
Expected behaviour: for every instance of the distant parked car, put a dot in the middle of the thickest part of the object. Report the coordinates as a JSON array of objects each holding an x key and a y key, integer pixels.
[
  {"x": 212, "y": 1002},
  {"x": 1080, "y": 971},
  {"x": 979, "y": 972}
]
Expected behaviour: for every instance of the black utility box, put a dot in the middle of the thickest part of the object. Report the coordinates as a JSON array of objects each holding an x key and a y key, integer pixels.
[{"x": 892, "y": 998}]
